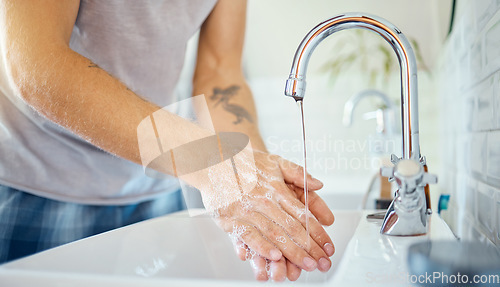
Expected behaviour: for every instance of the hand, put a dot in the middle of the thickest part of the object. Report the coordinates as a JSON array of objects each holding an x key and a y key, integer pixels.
[
  {"x": 278, "y": 271},
  {"x": 270, "y": 219}
]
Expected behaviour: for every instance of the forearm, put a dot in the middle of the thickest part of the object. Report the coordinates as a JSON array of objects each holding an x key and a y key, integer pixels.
[
  {"x": 75, "y": 93},
  {"x": 230, "y": 102}
]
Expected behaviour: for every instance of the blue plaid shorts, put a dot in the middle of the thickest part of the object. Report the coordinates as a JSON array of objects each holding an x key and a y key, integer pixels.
[{"x": 30, "y": 224}]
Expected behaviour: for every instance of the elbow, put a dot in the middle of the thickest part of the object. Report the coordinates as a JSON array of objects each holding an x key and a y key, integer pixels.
[
  {"x": 25, "y": 75},
  {"x": 15, "y": 74}
]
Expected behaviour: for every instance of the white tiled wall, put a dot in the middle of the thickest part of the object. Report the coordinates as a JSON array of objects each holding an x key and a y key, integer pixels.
[{"x": 469, "y": 88}]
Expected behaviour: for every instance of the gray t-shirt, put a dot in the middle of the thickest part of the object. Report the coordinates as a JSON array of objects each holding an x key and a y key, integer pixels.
[{"x": 142, "y": 43}]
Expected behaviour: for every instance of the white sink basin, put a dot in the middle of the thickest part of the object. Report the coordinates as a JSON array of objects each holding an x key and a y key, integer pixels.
[{"x": 176, "y": 249}]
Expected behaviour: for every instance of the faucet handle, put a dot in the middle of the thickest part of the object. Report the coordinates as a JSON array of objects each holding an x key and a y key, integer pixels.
[
  {"x": 429, "y": 179},
  {"x": 387, "y": 171},
  {"x": 408, "y": 173},
  {"x": 395, "y": 159},
  {"x": 423, "y": 160}
]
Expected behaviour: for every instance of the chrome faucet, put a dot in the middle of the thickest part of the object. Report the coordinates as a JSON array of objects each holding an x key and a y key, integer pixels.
[
  {"x": 407, "y": 214},
  {"x": 401, "y": 217},
  {"x": 384, "y": 116}
]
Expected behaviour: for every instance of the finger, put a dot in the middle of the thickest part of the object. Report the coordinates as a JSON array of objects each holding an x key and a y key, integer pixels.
[
  {"x": 277, "y": 270},
  {"x": 292, "y": 271},
  {"x": 293, "y": 173},
  {"x": 241, "y": 249},
  {"x": 249, "y": 234},
  {"x": 317, "y": 206},
  {"x": 259, "y": 267},
  {"x": 320, "y": 245},
  {"x": 322, "y": 239},
  {"x": 277, "y": 236}
]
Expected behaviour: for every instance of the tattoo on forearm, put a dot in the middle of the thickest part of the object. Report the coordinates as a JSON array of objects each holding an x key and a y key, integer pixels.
[
  {"x": 223, "y": 96},
  {"x": 93, "y": 65}
]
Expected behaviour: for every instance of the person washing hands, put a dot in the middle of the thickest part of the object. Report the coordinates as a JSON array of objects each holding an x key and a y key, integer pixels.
[{"x": 77, "y": 79}]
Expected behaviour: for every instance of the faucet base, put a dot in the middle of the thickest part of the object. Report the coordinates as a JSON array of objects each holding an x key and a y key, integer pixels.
[{"x": 405, "y": 223}]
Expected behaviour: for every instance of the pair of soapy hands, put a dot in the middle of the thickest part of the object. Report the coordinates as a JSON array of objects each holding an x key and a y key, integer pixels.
[{"x": 268, "y": 224}]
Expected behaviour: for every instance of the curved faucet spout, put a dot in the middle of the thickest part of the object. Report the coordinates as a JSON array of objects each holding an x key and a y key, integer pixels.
[{"x": 296, "y": 83}]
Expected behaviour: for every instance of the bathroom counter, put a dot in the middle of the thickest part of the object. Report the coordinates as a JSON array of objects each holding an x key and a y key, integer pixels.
[
  {"x": 190, "y": 250},
  {"x": 373, "y": 259}
]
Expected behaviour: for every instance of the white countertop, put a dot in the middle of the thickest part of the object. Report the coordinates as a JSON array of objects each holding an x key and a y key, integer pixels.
[{"x": 373, "y": 259}]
